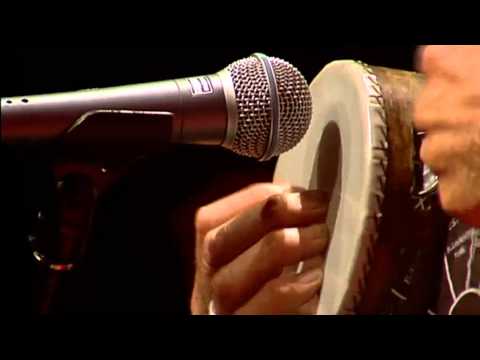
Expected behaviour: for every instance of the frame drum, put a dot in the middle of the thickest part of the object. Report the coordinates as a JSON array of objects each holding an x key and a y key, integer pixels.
[{"x": 387, "y": 229}]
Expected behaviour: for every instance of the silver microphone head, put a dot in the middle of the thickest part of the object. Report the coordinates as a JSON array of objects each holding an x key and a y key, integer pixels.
[{"x": 273, "y": 107}]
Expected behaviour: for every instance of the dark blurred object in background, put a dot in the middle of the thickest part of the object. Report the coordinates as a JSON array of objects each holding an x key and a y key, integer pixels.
[{"x": 141, "y": 255}]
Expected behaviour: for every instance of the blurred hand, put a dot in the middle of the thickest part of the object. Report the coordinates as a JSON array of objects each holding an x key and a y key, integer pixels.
[
  {"x": 448, "y": 109},
  {"x": 248, "y": 248}
]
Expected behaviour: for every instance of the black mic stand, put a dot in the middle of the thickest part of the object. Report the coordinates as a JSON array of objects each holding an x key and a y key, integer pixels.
[{"x": 72, "y": 174}]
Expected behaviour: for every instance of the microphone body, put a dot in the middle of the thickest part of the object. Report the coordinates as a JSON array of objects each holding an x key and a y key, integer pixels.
[{"x": 190, "y": 111}]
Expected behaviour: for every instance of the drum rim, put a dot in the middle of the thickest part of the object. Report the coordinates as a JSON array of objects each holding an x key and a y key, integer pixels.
[{"x": 370, "y": 95}]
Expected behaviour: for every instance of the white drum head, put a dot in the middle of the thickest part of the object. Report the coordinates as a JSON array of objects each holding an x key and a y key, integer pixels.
[{"x": 343, "y": 153}]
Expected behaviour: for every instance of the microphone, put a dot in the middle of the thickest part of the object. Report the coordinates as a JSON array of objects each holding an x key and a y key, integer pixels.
[{"x": 258, "y": 107}]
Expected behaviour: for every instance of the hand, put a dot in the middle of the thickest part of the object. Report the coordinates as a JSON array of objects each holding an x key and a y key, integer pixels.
[
  {"x": 448, "y": 110},
  {"x": 248, "y": 248}
]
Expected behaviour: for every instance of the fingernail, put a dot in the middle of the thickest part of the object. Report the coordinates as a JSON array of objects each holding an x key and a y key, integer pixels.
[
  {"x": 318, "y": 232},
  {"x": 315, "y": 200},
  {"x": 321, "y": 231},
  {"x": 311, "y": 277}
]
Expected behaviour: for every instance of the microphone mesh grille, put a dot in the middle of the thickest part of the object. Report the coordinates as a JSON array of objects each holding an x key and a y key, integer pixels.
[
  {"x": 254, "y": 107},
  {"x": 255, "y": 111}
]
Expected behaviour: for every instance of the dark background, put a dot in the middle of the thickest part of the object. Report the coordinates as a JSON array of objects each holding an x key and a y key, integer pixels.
[{"x": 140, "y": 257}]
